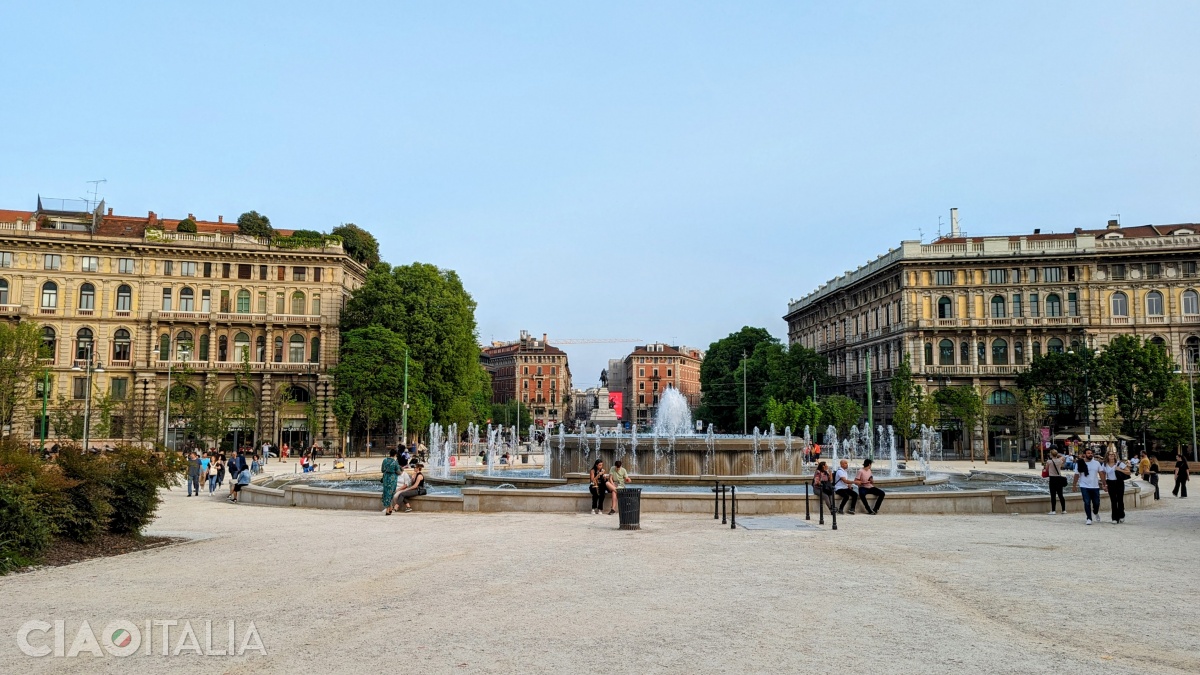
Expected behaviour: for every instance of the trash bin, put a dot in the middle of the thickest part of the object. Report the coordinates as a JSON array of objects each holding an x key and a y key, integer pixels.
[{"x": 629, "y": 508}]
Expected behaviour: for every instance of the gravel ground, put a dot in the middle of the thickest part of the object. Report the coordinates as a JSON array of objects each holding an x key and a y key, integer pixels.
[{"x": 527, "y": 593}]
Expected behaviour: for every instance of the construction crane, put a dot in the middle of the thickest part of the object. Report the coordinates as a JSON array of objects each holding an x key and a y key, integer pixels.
[{"x": 593, "y": 341}]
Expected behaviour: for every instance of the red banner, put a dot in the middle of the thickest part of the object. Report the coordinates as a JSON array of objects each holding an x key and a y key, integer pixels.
[{"x": 614, "y": 401}]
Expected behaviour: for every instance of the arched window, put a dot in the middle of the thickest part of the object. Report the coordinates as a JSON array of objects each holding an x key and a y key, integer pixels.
[
  {"x": 164, "y": 347},
  {"x": 260, "y": 349},
  {"x": 83, "y": 344},
  {"x": 187, "y": 300},
  {"x": 3, "y": 291},
  {"x": 223, "y": 348},
  {"x": 1120, "y": 304},
  {"x": 1191, "y": 302},
  {"x": 314, "y": 354},
  {"x": 278, "y": 350},
  {"x": 241, "y": 347},
  {"x": 1037, "y": 349},
  {"x": 87, "y": 297},
  {"x": 243, "y": 302},
  {"x": 1001, "y": 397},
  {"x": 203, "y": 346},
  {"x": 1000, "y": 352},
  {"x": 124, "y": 298},
  {"x": 1053, "y": 305},
  {"x": 296, "y": 349},
  {"x": 49, "y": 343},
  {"x": 1054, "y": 346},
  {"x": 183, "y": 346},
  {"x": 121, "y": 345},
  {"x": 1154, "y": 303},
  {"x": 998, "y": 307},
  {"x": 1191, "y": 350},
  {"x": 945, "y": 308},
  {"x": 298, "y": 394},
  {"x": 1161, "y": 343},
  {"x": 239, "y": 394},
  {"x": 298, "y": 302},
  {"x": 946, "y": 353},
  {"x": 1019, "y": 352},
  {"x": 49, "y": 295},
  {"x": 929, "y": 353}
]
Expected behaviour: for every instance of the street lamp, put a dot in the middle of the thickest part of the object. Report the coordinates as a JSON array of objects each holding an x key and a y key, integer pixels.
[
  {"x": 1087, "y": 402},
  {"x": 87, "y": 399},
  {"x": 1192, "y": 397}
]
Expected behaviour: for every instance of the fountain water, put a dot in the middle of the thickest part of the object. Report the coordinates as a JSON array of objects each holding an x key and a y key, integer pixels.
[
  {"x": 831, "y": 442},
  {"x": 710, "y": 442}
]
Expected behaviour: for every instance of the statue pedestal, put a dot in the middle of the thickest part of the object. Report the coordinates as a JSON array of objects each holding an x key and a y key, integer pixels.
[{"x": 603, "y": 415}]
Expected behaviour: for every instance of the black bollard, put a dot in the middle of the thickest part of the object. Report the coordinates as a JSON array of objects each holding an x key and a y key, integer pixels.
[
  {"x": 733, "y": 507},
  {"x": 724, "y": 518},
  {"x": 821, "y": 508},
  {"x": 807, "y": 515},
  {"x": 716, "y": 499},
  {"x": 833, "y": 512}
]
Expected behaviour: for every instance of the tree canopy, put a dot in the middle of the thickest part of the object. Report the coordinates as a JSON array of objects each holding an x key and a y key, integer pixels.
[
  {"x": 358, "y": 243},
  {"x": 20, "y": 347},
  {"x": 186, "y": 225},
  {"x": 254, "y": 224}
]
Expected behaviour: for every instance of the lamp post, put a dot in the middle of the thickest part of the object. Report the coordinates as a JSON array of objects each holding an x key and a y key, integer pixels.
[
  {"x": 1087, "y": 402},
  {"x": 87, "y": 398},
  {"x": 744, "y": 411},
  {"x": 1191, "y": 354},
  {"x": 45, "y": 402},
  {"x": 404, "y": 413}
]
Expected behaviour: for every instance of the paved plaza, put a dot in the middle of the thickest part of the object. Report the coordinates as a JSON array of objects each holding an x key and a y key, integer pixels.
[{"x": 343, "y": 591}]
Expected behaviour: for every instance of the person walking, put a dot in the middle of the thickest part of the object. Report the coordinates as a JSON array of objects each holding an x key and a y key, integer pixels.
[
  {"x": 213, "y": 469},
  {"x": 1058, "y": 482},
  {"x": 1116, "y": 472},
  {"x": 220, "y": 462},
  {"x": 1154, "y": 475},
  {"x": 1087, "y": 479},
  {"x": 866, "y": 486},
  {"x": 1181, "y": 477},
  {"x": 193, "y": 480},
  {"x": 842, "y": 487},
  {"x": 391, "y": 470}
]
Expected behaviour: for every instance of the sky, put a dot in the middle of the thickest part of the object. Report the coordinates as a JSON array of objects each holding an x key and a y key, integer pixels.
[{"x": 666, "y": 171}]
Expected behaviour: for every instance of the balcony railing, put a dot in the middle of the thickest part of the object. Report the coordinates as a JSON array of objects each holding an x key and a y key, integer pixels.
[{"x": 9, "y": 309}]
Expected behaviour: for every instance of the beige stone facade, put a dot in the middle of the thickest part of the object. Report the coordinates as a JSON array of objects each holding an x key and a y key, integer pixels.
[
  {"x": 141, "y": 298},
  {"x": 976, "y": 310},
  {"x": 649, "y": 370}
]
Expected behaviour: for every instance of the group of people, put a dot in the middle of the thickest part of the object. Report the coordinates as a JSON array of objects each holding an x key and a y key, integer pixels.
[
  {"x": 603, "y": 482},
  {"x": 839, "y": 484},
  {"x": 213, "y": 467},
  {"x": 403, "y": 479},
  {"x": 1093, "y": 476}
]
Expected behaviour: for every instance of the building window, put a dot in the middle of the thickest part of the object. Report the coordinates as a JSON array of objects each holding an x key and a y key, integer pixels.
[
  {"x": 124, "y": 298},
  {"x": 944, "y": 277},
  {"x": 187, "y": 300},
  {"x": 1120, "y": 304},
  {"x": 1154, "y": 303},
  {"x": 1072, "y": 304},
  {"x": 316, "y": 308},
  {"x": 52, "y": 261},
  {"x": 245, "y": 271},
  {"x": 1053, "y": 305},
  {"x": 278, "y": 353},
  {"x": 998, "y": 309},
  {"x": 1118, "y": 272},
  {"x": 83, "y": 344},
  {"x": 79, "y": 388},
  {"x": 964, "y": 353},
  {"x": 1054, "y": 346},
  {"x": 999, "y": 352},
  {"x": 946, "y": 353},
  {"x": 1016, "y": 305},
  {"x": 243, "y": 302},
  {"x": 997, "y": 276},
  {"x": 641, "y": 386},
  {"x": 223, "y": 348},
  {"x": 166, "y": 300},
  {"x": 118, "y": 388},
  {"x": 981, "y": 351},
  {"x": 168, "y": 268},
  {"x": 317, "y": 277},
  {"x": 1189, "y": 269},
  {"x": 3, "y": 291},
  {"x": 1051, "y": 274},
  {"x": 1153, "y": 270},
  {"x": 1191, "y": 302},
  {"x": 1001, "y": 397},
  {"x": 5, "y": 259},
  {"x": 183, "y": 346},
  {"x": 125, "y": 265},
  {"x": 49, "y": 295},
  {"x": 929, "y": 353},
  {"x": 1019, "y": 352},
  {"x": 262, "y": 272},
  {"x": 208, "y": 269},
  {"x": 641, "y": 372},
  {"x": 87, "y": 297},
  {"x": 945, "y": 308},
  {"x": 1033, "y": 305},
  {"x": 225, "y": 269},
  {"x": 241, "y": 347},
  {"x": 49, "y": 343},
  {"x": 204, "y": 346},
  {"x": 164, "y": 347},
  {"x": 299, "y": 273},
  {"x": 206, "y": 301},
  {"x": 314, "y": 354},
  {"x": 89, "y": 263},
  {"x": 121, "y": 344},
  {"x": 187, "y": 269}
]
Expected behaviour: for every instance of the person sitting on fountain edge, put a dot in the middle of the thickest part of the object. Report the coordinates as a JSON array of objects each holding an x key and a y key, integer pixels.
[
  {"x": 842, "y": 487},
  {"x": 866, "y": 486}
]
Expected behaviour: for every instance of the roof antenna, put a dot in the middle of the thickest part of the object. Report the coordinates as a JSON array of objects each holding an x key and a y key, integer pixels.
[
  {"x": 939, "y": 227},
  {"x": 95, "y": 192},
  {"x": 1118, "y": 217}
]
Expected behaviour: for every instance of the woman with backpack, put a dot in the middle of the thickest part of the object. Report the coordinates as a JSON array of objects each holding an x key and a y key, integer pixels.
[{"x": 1058, "y": 482}]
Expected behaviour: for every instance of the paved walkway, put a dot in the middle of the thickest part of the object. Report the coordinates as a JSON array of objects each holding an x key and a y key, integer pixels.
[{"x": 535, "y": 593}]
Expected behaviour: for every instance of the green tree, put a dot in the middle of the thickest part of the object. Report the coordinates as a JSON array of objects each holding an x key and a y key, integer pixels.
[
  {"x": 1140, "y": 374},
  {"x": 1172, "y": 420},
  {"x": 505, "y": 414},
  {"x": 371, "y": 373},
  {"x": 720, "y": 377},
  {"x": 905, "y": 393},
  {"x": 1032, "y": 414},
  {"x": 254, "y": 224},
  {"x": 964, "y": 405},
  {"x": 358, "y": 243},
  {"x": 186, "y": 225},
  {"x": 1069, "y": 382},
  {"x": 20, "y": 349},
  {"x": 343, "y": 412},
  {"x": 840, "y": 412}
]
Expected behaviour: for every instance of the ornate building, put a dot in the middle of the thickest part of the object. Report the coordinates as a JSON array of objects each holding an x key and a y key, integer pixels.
[
  {"x": 535, "y": 372},
  {"x": 253, "y": 320},
  {"x": 651, "y": 369},
  {"x": 976, "y": 310}
]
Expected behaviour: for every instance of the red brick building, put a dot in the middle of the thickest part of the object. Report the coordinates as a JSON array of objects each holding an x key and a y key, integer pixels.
[
  {"x": 533, "y": 371},
  {"x": 651, "y": 369}
]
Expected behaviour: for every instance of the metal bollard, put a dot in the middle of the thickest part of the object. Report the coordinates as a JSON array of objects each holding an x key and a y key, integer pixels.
[
  {"x": 723, "y": 516},
  {"x": 807, "y": 515},
  {"x": 733, "y": 507},
  {"x": 833, "y": 513},
  {"x": 821, "y": 508},
  {"x": 716, "y": 498}
]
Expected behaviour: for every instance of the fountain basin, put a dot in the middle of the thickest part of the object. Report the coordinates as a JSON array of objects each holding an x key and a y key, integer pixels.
[
  {"x": 707, "y": 481},
  {"x": 529, "y": 482}
]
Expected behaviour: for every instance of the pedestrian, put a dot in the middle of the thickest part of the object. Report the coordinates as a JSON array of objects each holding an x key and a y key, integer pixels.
[
  {"x": 1058, "y": 482},
  {"x": 823, "y": 483},
  {"x": 403, "y": 482},
  {"x": 213, "y": 469},
  {"x": 233, "y": 469},
  {"x": 1154, "y": 474},
  {"x": 619, "y": 475},
  {"x": 1116, "y": 472},
  {"x": 243, "y": 480},
  {"x": 598, "y": 485},
  {"x": 193, "y": 483},
  {"x": 865, "y": 480},
  {"x": 391, "y": 470},
  {"x": 220, "y": 462},
  {"x": 1144, "y": 465},
  {"x": 415, "y": 490},
  {"x": 842, "y": 487},
  {"x": 1087, "y": 479},
  {"x": 1181, "y": 476},
  {"x": 283, "y": 453}
]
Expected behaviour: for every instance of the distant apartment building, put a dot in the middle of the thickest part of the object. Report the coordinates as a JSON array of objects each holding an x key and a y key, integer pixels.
[
  {"x": 534, "y": 372},
  {"x": 649, "y": 370}
]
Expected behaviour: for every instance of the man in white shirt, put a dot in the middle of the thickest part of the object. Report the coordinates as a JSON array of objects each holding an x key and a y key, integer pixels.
[
  {"x": 1087, "y": 479},
  {"x": 843, "y": 486}
]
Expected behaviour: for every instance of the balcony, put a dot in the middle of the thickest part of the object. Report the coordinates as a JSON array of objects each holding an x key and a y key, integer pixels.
[
  {"x": 233, "y": 366},
  {"x": 47, "y": 311},
  {"x": 8, "y": 310}
]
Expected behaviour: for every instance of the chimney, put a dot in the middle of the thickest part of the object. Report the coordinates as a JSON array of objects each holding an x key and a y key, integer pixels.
[
  {"x": 1037, "y": 230},
  {"x": 153, "y": 218},
  {"x": 220, "y": 219},
  {"x": 191, "y": 217},
  {"x": 1114, "y": 224},
  {"x": 110, "y": 210},
  {"x": 954, "y": 223},
  {"x": 543, "y": 338}
]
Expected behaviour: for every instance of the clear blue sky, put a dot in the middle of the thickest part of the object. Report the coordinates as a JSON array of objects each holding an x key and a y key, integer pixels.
[{"x": 661, "y": 170}]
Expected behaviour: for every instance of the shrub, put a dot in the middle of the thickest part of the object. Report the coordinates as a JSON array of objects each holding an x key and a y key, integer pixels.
[
  {"x": 136, "y": 476},
  {"x": 186, "y": 225},
  {"x": 24, "y": 532},
  {"x": 90, "y": 497}
]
